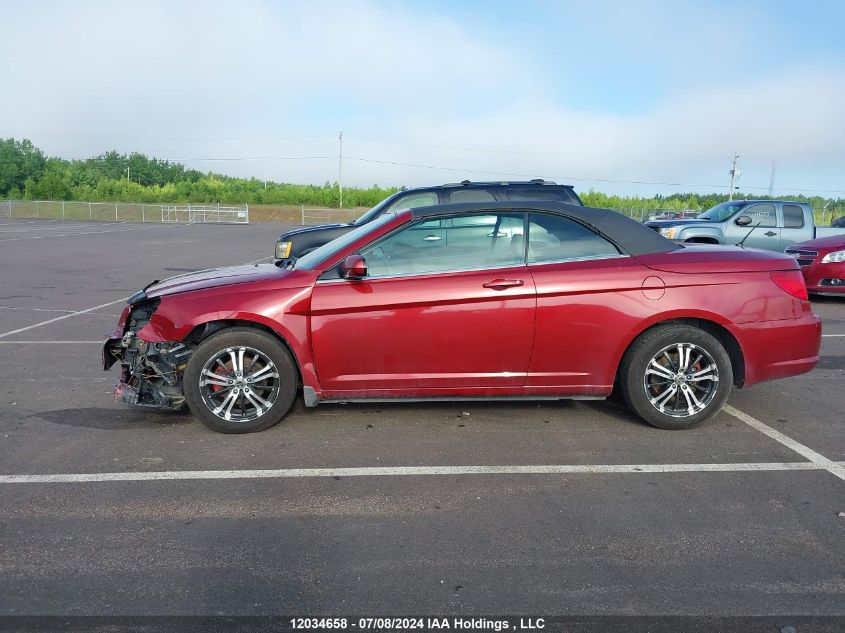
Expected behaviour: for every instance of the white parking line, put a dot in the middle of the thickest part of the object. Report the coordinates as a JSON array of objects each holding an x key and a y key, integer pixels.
[
  {"x": 825, "y": 335},
  {"x": 46, "y": 342},
  {"x": 805, "y": 451},
  {"x": 393, "y": 471},
  {"x": 44, "y": 237},
  {"x": 33, "y": 309},
  {"x": 60, "y": 318}
]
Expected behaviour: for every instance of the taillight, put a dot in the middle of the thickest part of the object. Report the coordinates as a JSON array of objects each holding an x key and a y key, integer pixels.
[{"x": 792, "y": 282}]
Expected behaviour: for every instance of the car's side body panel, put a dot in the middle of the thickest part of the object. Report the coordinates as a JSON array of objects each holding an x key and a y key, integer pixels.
[
  {"x": 588, "y": 313},
  {"x": 584, "y": 308},
  {"x": 426, "y": 331}
]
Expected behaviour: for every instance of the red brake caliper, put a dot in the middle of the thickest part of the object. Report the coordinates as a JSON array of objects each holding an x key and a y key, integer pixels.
[{"x": 220, "y": 370}]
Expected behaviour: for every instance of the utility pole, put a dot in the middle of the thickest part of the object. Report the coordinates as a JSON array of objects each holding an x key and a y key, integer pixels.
[
  {"x": 734, "y": 172},
  {"x": 340, "y": 167},
  {"x": 772, "y": 180},
  {"x": 127, "y": 175}
]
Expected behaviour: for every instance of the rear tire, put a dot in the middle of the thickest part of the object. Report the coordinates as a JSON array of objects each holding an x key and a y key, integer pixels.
[
  {"x": 675, "y": 376},
  {"x": 240, "y": 380}
]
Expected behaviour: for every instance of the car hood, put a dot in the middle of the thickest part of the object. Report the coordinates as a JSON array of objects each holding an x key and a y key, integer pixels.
[
  {"x": 832, "y": 242},
  {"x": 215, "y": 277},
  {"x": 708, "y": 258},
  {"x": 660, "y": 224},
  {"x": 309, "y": 229}
]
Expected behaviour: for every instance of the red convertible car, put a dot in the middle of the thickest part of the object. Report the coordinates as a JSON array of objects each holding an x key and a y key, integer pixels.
[{"x": 500, "y": 300}]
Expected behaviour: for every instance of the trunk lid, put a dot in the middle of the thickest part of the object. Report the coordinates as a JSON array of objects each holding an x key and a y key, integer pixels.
[{"x": 709, "y": 258}]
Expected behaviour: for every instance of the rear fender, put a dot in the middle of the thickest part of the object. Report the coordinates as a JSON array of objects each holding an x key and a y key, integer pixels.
[{"x": 673, "y": 315}]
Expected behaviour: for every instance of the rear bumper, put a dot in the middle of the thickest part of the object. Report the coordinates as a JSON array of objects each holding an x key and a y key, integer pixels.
[{"x": 779, "y": 349}]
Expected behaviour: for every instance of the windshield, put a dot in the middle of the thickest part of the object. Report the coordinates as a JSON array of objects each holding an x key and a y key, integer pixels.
[
  {"x": 372, "y": 213},
  {"x": 315, "y": 257},
  {"x": 721, "y": 212}
]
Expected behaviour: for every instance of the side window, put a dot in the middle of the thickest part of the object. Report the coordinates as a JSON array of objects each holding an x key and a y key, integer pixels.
[
  {"x": 474, "y": 219},
  {"x": 470, "y": 195},
  {"x": 555, "y": 238},
  {"x": 490, "y": 241},
  {"x": 793, "y": 216},
  {"x": 762, "y": 213},
  {"x": 415, "y": 200}
]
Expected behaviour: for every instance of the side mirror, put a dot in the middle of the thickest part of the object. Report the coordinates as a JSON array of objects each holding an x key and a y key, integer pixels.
[
  {"x": 743, "y": 220},
  {"x": 353, "y": 267}
]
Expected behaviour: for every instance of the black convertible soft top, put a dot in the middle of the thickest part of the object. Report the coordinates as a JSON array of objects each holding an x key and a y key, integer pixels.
[{"x": 630, "y": 235}]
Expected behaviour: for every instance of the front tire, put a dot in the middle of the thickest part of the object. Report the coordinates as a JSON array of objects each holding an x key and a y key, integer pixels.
[
  {"x": 240, "y": 380},
  {"x": 676, "y": 376}
]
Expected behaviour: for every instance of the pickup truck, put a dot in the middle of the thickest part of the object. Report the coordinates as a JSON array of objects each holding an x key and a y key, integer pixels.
[{"x": 768, "y": 224}]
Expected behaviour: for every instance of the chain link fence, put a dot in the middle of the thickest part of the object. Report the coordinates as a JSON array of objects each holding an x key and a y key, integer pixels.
[
  {"x": 215, "y": 213},
  {"x": 325, "y": 215},
  {"x": 123, "y": 212}
]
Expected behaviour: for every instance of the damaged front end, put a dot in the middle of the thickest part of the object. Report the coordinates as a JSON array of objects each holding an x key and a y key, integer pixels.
[{"x": 150, "y": 373}]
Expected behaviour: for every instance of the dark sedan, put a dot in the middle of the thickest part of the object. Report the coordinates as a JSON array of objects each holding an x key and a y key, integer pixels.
[{"x": 302, "y": 241}]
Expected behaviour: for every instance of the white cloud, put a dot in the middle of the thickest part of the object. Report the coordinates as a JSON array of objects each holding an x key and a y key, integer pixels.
[{"x": 86, "y": 77}]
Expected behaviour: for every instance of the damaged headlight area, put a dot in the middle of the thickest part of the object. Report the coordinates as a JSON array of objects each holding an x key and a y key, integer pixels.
[{"x": 150, "y": 373}]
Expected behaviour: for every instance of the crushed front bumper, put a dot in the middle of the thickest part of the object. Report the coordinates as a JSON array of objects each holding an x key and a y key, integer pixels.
[{"x": 150, "y": 373}]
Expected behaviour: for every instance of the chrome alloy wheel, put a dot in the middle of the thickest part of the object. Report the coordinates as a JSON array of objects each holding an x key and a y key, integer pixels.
[
  {"x": 681, "y": 380},
  {"x": 239, "y": 384}
]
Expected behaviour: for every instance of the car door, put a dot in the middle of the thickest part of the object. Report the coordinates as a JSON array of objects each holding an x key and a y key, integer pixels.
[
  {"x": 764, "y": 221},
  {"x": 428, "y": 319},
  {"x": 588, "y": 297}
]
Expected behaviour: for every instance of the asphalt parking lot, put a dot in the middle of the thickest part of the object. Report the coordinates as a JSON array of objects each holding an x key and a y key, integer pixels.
[{"x": 549, "y": 508}]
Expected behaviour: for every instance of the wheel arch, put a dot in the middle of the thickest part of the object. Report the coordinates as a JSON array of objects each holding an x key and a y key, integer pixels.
[
  {"x": 702, "y": 240},
  {"x": 202, "y": 331},
  {"x": 712, "y": 327}
]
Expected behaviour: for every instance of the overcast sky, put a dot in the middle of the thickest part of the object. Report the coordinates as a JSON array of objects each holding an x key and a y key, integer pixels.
[{"x": 580, "y": 92}]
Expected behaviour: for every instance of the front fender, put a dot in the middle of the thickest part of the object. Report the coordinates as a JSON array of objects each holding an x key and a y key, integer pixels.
[
  {"x": 285, "y": 314},
  {"x": 697, "y": 232}
]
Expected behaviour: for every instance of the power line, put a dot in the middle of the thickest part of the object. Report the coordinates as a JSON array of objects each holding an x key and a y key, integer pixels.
[
  {"x": 480, "y": 148},
  {"x": 179, "y": 160},
  {"x": 575, "y": 178}
]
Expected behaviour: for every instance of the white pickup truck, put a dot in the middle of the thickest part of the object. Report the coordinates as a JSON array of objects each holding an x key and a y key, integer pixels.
[{"x": 769, "y": 224}]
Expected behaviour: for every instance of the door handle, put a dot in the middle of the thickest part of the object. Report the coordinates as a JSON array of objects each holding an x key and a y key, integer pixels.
[
  {"x": 432, "y": 238},
  {"x": 503, "y": 284},
  {"x": 770, "y": 233}
]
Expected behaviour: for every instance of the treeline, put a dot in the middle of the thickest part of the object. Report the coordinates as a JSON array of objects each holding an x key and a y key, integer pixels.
[{"x": 25, "y": 172}]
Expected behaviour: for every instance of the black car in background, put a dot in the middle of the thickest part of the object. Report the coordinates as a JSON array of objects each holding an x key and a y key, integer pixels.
[{"x": 304, "y": 240}]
